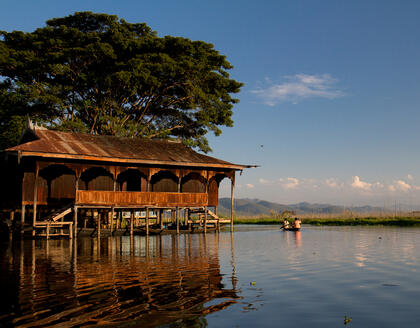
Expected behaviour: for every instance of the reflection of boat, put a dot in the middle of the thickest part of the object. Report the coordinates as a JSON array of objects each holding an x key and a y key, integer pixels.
[{"x": 291, "y": 229}]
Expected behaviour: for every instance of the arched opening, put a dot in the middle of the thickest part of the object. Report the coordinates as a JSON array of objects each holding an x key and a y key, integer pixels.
[
  {"x": 132, "y": 180},
  {"x": 213, "y": 190},
  {"x": 60, "y": 183},
  {"x": 194, "y": 183},
  {"x": 164, "y": 181},
  {"x": 96, "y": 178}
]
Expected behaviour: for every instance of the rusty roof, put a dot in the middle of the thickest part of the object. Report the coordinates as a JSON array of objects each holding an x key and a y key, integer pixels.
[{"x": 57, "y": 144}]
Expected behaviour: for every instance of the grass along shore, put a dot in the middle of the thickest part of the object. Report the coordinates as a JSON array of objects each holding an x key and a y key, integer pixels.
[{"x": 403, "y": 221}]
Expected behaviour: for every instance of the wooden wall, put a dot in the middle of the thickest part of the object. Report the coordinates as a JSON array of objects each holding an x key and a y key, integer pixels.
[{"x": 58, "y": 185}]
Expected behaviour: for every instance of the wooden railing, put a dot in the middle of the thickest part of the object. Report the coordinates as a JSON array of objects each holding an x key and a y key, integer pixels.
[{"x": 134, "y": 198}]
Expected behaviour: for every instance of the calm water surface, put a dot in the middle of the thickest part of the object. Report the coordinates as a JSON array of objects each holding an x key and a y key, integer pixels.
[{"x": 255, "y": 277}]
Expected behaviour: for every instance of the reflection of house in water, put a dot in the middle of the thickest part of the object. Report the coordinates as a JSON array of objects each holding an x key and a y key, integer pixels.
[
  {"x": 97, "y": 178},
  {"x": 146, "y": 281}
]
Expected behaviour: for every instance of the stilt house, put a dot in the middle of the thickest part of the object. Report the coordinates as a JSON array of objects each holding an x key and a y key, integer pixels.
[{"x": 51, "y": 174}]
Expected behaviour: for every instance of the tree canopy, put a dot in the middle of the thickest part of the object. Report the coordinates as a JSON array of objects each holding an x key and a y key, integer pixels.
[{"x": 99, "y": 74}]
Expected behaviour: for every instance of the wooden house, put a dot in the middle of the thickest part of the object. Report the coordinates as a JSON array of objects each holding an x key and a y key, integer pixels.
[{"x": 52, "y": 174}]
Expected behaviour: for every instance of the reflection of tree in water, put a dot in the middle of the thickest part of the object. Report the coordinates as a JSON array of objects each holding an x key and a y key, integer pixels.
[{"x": 172, "y": 280}]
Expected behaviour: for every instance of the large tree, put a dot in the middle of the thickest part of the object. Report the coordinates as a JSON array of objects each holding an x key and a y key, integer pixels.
[{"x": 96, "y": 73}]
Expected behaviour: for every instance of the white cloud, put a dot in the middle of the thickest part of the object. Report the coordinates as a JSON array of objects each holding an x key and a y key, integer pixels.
[
  {"x": 250, "y": 185},
  {"x": 290, "y": 183},
  {"x": 298, "y": 87},
  {"x": 264, "y": 181},
  {"x": 379, "y": 185},
  {"x": 409, "y": 177},
  {"x": 401, "y": 186},
  {"x": 333, "y": 183},
  {"x": 359, "y": 184}
]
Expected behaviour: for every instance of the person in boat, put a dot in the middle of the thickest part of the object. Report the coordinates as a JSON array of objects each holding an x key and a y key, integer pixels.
[
  {"x": 286, "y": 224},
  {"x": 296, "y": 223}
]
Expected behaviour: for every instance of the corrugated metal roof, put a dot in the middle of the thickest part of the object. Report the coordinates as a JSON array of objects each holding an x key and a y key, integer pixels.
[{"x": 78, "y": 145}]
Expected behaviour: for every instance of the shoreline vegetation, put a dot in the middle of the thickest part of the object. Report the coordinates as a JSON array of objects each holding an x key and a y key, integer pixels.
[{"x": 331, "y": 220}]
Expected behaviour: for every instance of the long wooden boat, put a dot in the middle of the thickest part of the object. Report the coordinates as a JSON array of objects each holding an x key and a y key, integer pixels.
[{"x": 291, "y": 229}]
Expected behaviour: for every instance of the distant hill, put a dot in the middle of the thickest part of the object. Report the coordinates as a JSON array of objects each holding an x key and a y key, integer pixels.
[{"x": 255, "y": 207}]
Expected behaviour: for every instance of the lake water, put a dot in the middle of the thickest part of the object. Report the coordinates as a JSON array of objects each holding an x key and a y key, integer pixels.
[{"x": 257, "y": 276}]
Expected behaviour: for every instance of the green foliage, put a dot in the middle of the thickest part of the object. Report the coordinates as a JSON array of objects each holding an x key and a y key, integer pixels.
[
  {"x": 391, "y": 221},
  {"x": 258, "y": 221},
  {"x": 12, "y": 117},
  {"x": 98, "y": 74}
]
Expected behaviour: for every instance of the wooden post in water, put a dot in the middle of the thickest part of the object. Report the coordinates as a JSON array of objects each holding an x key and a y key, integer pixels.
[
  {"x": 189, "y": 219},
  {"x": 35, "y": 198},
  {"x": 160, "y": 212},
  {"x": 75, "y": 221},
  {"x": 147, "y": 221},
  {"x": 131, "y": 222},
  {"x": 22, "y": 220},
  {"x": 112, "y": 220},
  {"x": 47, "y": 230},
  {"x": 177, "y": 220},
  {"x": 232, "y": 187},
  {"x": 205, "y": 219},
  {"x": 12, "y": 218},
  {"x": 99, "y": 225}
]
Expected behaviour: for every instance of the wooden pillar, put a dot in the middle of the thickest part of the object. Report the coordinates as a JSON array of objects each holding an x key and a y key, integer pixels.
[
  {"x": 205, "y": 219},
  {"x": 35, "y": 197},
  {"x": 131, "y": 222},
  {"x": 160, "y": 213},
  {"x": 22, "y": 220},
  {"x": 75, "y": 220},
  {"x": 12, "y": 218},
  {"x": 188, "y": 218},
  {"x": 85, "y": 219},
  {"x": 112, "y": 220},
  {"x": 99, "y": 225},
  {"x": 71, "y": 231},
  {"x": 232, "y": 187},
  {"x": 177, "y": 219},
  {"x": 47, "y": 230},
  {"x": 117, "y": 221},
  {"x": 147, "y": 221}
]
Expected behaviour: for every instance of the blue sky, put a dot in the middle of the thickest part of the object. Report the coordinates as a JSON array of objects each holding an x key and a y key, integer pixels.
[{"x": 330, "y": 107}]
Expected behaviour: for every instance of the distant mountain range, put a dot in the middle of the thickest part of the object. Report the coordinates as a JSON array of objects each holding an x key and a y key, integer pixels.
[{"x": 256, "y": 207}]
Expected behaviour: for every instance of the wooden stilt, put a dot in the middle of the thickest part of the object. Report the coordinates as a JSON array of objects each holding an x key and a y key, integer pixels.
[
  {"x": 35, "y": 198},
  {"x": 99, "y": 225},
  {"x": 189, "y": 219},
  {"x": 71, "y": 231},
  {"x": 112, "y": 220},
  {"x": 12, "y": 218},
  {"x": 47, "y": 233},
  {"x": 205, "y": 219},
  {"x": 147, "y": 221},
  {"x": 232, "y": 186},
  {"x": 22, "y": 220},
  {"x": 131, "y": 223},
  {"x": 177, "y": 220},
  {"x": 75, "y": 220},
  {"x": 160, "y": 212}
]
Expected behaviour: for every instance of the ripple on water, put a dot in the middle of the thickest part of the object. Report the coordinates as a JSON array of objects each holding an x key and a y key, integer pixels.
[{"x": 250, "y": 278}]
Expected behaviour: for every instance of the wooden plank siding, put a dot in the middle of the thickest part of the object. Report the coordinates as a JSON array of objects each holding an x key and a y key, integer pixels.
[{"x": 139, "y": 198}]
